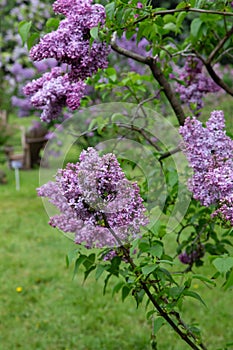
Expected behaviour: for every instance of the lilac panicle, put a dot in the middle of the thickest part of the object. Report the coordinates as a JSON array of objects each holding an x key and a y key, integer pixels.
[
  {"x": 210, "y": 153},
  {"x": 195, "y": 84},
  {"x": 69, "y": 45},
  {"x": 53, "y": 91},
  {"x": 92, "y": 192}
]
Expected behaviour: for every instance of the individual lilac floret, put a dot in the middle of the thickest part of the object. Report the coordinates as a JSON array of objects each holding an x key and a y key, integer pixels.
[
  {"x": 210, "y": 154},
  {"x": 93, "y": 194},
  {"x": 195, "y": 84}
]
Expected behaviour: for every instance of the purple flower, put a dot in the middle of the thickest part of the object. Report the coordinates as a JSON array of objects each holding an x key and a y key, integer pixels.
[
  {"x": 68, "y": 45},
  {"x": 210, "y": 154},
  {"x": 139, "y": 5},
  {"x": 53, "y": 91},
  {"x": 93, "y": 194},
  {"x": 194, "y": 84}
]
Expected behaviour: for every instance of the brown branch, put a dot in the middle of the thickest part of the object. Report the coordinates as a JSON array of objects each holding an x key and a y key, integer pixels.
[
  {"x": 171, "y": 96},
  {"x": 219, "y": 46},
  {"x": 185, "y": 9},
  {"x": 158, "y": 75},
  {"x": 160, "y": 310},
  {"x": 218, "y": 80},
  {"x": 127, "y": 53},
  {"x": 214, "y": 76},
  {"x": 169, "y": 153}
]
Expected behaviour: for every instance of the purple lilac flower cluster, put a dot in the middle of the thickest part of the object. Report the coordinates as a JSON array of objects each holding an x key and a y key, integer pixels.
[
  {"x": 210, "y": 154},
  {"x": 91, "y": 193},
  {"x": 195, "y": 84},
  {"x": 68, "y": 44}
]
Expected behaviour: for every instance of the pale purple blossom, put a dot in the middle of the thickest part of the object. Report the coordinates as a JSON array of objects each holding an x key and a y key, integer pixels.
[
  {"x": 210, "y": 153},
  {"x": 69, "y": 45},
  {"x": 93, "y": 194},
  {"x": 193, "y": 84}
]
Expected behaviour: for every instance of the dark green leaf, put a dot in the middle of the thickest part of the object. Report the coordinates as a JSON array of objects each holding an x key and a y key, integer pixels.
[
  {"x": 87, "y": 272},
  {"x": 229, "y": 282},
  {"x": 125, "y": 291},
  {"x": 81, "y": 259},
  {"x": 89, "y": 261},
  {"x": 117, "y": 287},
  {"x": 194, "y": 295}
]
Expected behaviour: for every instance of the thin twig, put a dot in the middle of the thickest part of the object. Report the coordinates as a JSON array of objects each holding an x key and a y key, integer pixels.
[
  {"x": 169, "y": 153},
  {"x": 160, "y": 310},
  {"x": 219, "y": 46},
  {"x": 158, "y": 75},
  {"x": 185, "y": 9}
]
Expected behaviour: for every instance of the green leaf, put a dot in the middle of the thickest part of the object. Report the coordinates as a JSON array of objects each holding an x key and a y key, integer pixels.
[
  {"x": 181, "y": 16},
  {"x": 88, "y": 271},
  {"x": 99, "y": 270},
  {"x": 156, "y": 250},
  {"x": 111, "y": 73},
  {"x": 52, "y": 23},
  {"x": 106, "y": 282},
  {"x": 117, "y": 287},
  {"x": 158, "y": 323},
  {"x": 149, "y": 314},
  {"x": 89, "y": 261},
  {"x": 195, "y": 27},
  {"x": 109, "y": 10},
  {"x": 125, "y": 291},
  {"x": 194, "y": 295},
  {"x": 203, "y": 278},
  {"x": 81, "y": 259},
  {"x": 229, "y": 282},
  {"x": 147, "y": 269},
  {"x": 223, "y": 264},
  {"x": 32, "y": 40},
  {"x": 144, "y": 247},
  {"x": 24, "y": 29},
  {"x": 94, "y": 32},
  {"x": 71, "y": 256}
]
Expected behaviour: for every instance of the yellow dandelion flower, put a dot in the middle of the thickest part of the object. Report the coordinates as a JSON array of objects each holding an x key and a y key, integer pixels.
[{"x": 19, "y": 289}]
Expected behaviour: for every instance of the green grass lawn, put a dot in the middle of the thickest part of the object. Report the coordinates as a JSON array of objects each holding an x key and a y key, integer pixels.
[{"x": 52, "y": 311}]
